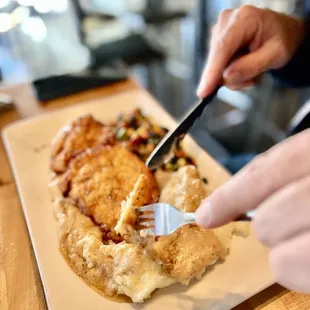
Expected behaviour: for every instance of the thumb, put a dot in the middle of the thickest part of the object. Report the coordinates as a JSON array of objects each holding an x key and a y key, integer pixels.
[{"x": 208, "y": 82}]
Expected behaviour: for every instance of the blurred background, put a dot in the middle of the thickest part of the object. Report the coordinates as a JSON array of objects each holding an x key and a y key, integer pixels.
[{"x": 66, "y": 46}]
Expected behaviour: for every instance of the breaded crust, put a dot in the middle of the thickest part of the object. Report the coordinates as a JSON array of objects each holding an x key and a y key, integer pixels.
[
  {"x": 84, "y": 132},
  {"x": 186, "y": 253},
  {"x": 99, "y": 179},
  {"x": 141, "y": 195}
]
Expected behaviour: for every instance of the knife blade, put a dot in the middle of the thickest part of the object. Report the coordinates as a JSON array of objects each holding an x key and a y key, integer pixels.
[{"x": 165, "y": 149}]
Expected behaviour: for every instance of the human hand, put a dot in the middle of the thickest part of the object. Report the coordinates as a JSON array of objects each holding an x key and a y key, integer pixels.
[
  {"x": 271, "y": 39},
  {"x": 276, "y": 184}
]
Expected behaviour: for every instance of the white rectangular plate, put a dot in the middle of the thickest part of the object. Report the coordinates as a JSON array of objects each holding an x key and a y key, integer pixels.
[{"x": 244, "y": 273}]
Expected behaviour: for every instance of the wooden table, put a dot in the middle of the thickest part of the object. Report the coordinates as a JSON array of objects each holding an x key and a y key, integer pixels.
[{"x": 20, "y": 285}]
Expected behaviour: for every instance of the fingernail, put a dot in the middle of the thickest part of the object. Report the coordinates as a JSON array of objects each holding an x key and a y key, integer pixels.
[
  {"x": 203, "y": 214},
  {"x": 199, "y": 90}
]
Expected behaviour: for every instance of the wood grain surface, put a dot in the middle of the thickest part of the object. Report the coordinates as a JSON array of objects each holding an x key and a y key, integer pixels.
[{"x": 20, "y": 285}]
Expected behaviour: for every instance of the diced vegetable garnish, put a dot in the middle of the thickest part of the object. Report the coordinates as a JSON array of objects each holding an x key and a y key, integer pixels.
[
  {"x": 121, "y": 134},
  {"x": 139, "y": 134}
]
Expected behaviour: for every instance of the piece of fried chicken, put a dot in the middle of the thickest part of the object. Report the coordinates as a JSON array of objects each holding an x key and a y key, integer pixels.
[
  {"x": 99, "y": 180},
  {"x": 84, "y": 132}
]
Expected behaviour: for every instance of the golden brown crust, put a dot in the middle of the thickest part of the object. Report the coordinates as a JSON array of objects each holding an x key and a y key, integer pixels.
[
  {"x": 113, "y": 270},
  {"x": 80, "y": 243},
  {"x": 141, "y": 195},
  {"x": 85, "y": 132},
  {"x": 100, "y": 179},
  {"x": 183, "y": 189},
  {"x": 187, "y": 252}
]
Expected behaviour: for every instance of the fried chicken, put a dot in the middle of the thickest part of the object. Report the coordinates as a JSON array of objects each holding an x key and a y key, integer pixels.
[
  {"x": 103, "y": 184},
  {"x": 99, "y": 180},
  {"x": 141, "y": 195},
  {"x": 117, "y": 271},
  {"x": 84, "y": 132},
  {"x": 186, "y": 253},
  {"x": 135, "y": 273},
  {"x": 184, "y": 189}
]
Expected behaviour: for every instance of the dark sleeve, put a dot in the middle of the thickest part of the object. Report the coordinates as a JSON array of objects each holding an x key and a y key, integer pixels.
[{"x": 297, "y": 72}]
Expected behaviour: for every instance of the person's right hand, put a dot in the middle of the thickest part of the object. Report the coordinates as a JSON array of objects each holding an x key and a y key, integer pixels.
[{"x": 271, "y": 39}]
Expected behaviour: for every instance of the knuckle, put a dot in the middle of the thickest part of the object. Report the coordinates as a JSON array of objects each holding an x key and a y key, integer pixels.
[
  {"x": 283, "y": 53},
  {"x": 256, "y": 168},
  {"x": 247, "y": 10},
  {"x": 261, "y": 169},
  {"x": 259, "y": 173},
  {"x": 262, "y": 229},
  {"x": 257, "y": 67},
  {"x": 224, "y": 15},
  {"x": 214, "y": 30}
]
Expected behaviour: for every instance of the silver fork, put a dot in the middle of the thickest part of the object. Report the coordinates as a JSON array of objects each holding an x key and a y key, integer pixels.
[{"x": 162, "y": 219}]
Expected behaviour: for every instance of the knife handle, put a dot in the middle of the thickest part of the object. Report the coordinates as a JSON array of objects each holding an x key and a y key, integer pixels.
[
  {"x": 190, "y": 118},
  {"x": 173, "y": 137}
]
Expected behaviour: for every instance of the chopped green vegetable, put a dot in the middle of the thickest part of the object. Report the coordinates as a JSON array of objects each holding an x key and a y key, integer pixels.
[{"x": 121, "y": 134}]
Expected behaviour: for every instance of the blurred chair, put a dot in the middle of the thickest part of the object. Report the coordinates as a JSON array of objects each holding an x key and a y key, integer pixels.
[
  {"x": 154, "y": 13},
  {"x": 137, "y": 48},
  {"x": 132, "y": 50}
]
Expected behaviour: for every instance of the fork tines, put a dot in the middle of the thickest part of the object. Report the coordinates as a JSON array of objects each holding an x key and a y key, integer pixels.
[{"x": 146, "y": 218}]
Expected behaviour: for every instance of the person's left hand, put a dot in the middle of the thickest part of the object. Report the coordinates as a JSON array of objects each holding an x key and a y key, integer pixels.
[{"x": 277, "y": 185}]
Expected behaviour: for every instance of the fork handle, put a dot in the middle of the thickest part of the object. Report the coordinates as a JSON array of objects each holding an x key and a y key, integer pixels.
[{"x": 189, "y": 218}]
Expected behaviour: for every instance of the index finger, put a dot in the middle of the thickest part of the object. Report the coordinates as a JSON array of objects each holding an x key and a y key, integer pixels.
[
  {"x": 281, "y": 165},
  {"x": 226, "y": 40}
]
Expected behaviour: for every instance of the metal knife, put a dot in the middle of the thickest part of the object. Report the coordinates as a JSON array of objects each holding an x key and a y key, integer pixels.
[{"x": 165, "y": 149}]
